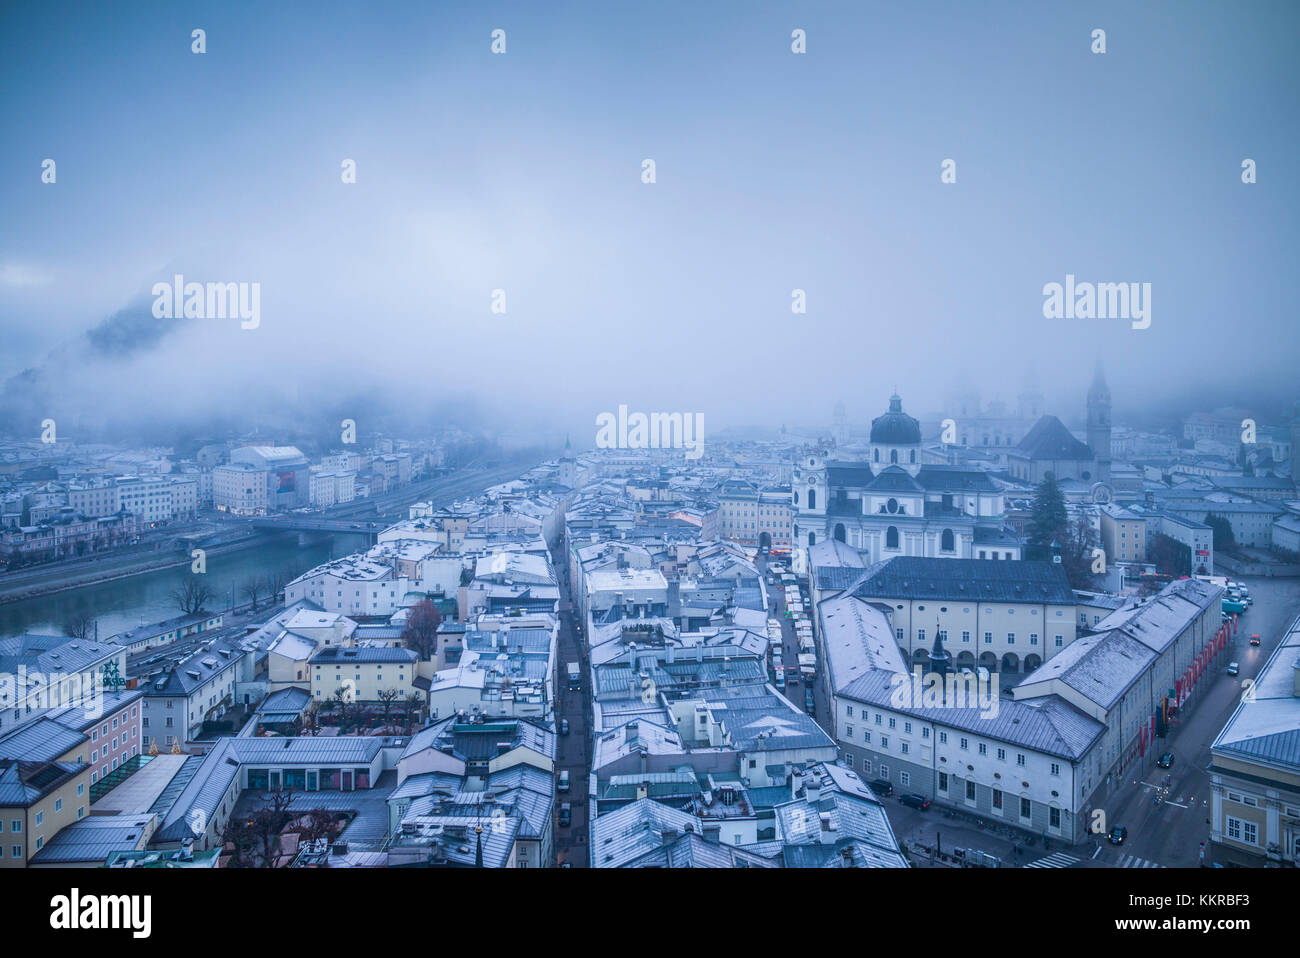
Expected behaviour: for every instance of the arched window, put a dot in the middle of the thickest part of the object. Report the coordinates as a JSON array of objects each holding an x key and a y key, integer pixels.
[
  {"x": 796, "y": 497},
  {"x": 893, "y": 456},
  {"x": 891, "y": 537},
  {"x": 877, "y": 455},
  {"x": 812, "y": 539},
  {"x": 812, "y": 498},
  {"x": 912, "y": 456},
  {"x": 839, "y": 531},
  {"x": 946, "y": 541}
]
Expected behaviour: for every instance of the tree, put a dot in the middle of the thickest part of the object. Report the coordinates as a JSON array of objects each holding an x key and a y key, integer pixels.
[
  {"x": 317, "y": 823},
  {"x": 1223, "y": 537},
  {"x": 341, "y": 703},
  {"x": 386, "y": 698},
  {"x": 250, "y": 590},
  {"x": 240, "y": 836},
  {"x": 276, "y": 581},
  {"x": 1077, "y": 541},
  {"x": 1048, "y": 518},
  {"x": 1169, "y": 556},
  {"x": 79, "y": 625},
  {"x": 311, "y": 717},
  {"x": 412, "y": 707},
  {"x": 192, "y": 596},
  {"x": 269, "y": 822},
  {"x": 421, "y": 633}
]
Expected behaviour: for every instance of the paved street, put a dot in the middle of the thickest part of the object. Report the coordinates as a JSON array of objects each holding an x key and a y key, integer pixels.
[
  {"x": 1171, "y": 833},
  {"x": 574, "y": 749}
]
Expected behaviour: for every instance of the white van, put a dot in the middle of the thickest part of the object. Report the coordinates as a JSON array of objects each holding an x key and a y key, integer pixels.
[{"x": 564, "y": 780}]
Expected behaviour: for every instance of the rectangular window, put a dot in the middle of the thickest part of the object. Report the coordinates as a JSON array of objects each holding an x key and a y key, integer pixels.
[
  {"x": 970, "y": 790},
  {"x": 943, "y": 781},
  {"x": 1054, "y": 817},
  {"x": 988, "y": 638},
  {"x": 904, "y": 778},
  {"x": 997, "y": 798},
  {"x": 1026, "y": 808}
]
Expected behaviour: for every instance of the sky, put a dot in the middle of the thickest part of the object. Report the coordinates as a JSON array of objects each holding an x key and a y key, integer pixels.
[{"x": 522, "y": 172}]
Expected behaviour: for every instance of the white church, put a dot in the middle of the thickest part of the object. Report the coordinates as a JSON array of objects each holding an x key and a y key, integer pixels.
[{"x": 892, "y": 505}]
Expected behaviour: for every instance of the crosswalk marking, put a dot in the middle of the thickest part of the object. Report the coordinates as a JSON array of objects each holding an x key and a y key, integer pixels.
[
  {"x": 1056, "y": 860},
  {"x": 1132, "y": 861}
]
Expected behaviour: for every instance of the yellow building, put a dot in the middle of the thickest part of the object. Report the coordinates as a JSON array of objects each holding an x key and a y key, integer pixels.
[
  {"x": 363, "y": 671},
  {"x": 37, "y": 799}
]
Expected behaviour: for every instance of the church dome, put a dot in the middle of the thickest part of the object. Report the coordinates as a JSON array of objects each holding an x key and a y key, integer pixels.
[{"x": 895, "y": 428}]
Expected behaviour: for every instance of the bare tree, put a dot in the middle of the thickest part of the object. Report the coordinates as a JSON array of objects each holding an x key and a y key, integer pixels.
[
  {"x": 386, "y": 698},
  {"x": 411, "y": 707},
  {"x": 341, "y": 703},
  {"x": 276, "y": 580},
  {"x": 192, "y": 596},
  {"x": 250, "y": 590},
  {"x": 240, "y": 837},
  {"x": 269, "y": 822},
  {"x": 80, "y": 625},
  {"x": 318, "y": 823},
  {"x": 311, "y": 717},
  {"x": 421, "y": 634}
]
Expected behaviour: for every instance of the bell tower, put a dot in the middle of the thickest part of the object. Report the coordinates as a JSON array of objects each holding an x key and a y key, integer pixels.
[{"x": 1099, "y": 423}]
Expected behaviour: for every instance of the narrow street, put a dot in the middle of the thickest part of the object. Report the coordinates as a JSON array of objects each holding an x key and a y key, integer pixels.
[{"x": 573, "y": 751}]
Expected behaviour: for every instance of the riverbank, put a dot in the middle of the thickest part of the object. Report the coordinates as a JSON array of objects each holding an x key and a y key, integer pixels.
[{"x": 110, "y": 569}]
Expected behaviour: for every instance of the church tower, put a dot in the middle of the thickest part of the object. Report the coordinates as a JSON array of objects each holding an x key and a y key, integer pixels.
[
  {"x": 1099, "y": 424},
  {"x": 1029, "y": 403}
]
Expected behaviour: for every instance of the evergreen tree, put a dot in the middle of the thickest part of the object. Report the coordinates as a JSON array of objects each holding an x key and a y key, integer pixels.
[
  {"x": 1223, "y": 537},
  {"x": 1048, "y": 518}
]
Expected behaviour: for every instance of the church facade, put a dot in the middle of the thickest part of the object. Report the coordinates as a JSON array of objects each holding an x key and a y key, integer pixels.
[{"x": 892, "y": 504}]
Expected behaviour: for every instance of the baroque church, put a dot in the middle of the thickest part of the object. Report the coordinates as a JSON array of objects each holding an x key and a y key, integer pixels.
[{"x": 893, "y": 505}]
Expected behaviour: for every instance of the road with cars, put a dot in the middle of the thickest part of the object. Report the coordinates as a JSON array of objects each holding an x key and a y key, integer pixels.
[
  {"x": 573, "y": 750},
  {"x": 1170, "y": 833}
]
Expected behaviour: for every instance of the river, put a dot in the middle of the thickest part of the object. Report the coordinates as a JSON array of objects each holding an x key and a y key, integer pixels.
[{"x": 131, "y": 602}]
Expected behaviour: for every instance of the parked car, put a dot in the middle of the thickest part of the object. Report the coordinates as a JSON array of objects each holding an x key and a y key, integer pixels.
[
  {"x": 1166, "y": 760},
  {"x": 564, "y": 726},
  {"x": 564, "y": 780},
  {"x": 1117, "y": 835},
  {"x": 1233, "y": 668},
  {"x": 881, "y": 787},
  {"x": 912, "y": 800},
  {"x": 1254, "y": 639},
  {"x": 566, "y": 814}
]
